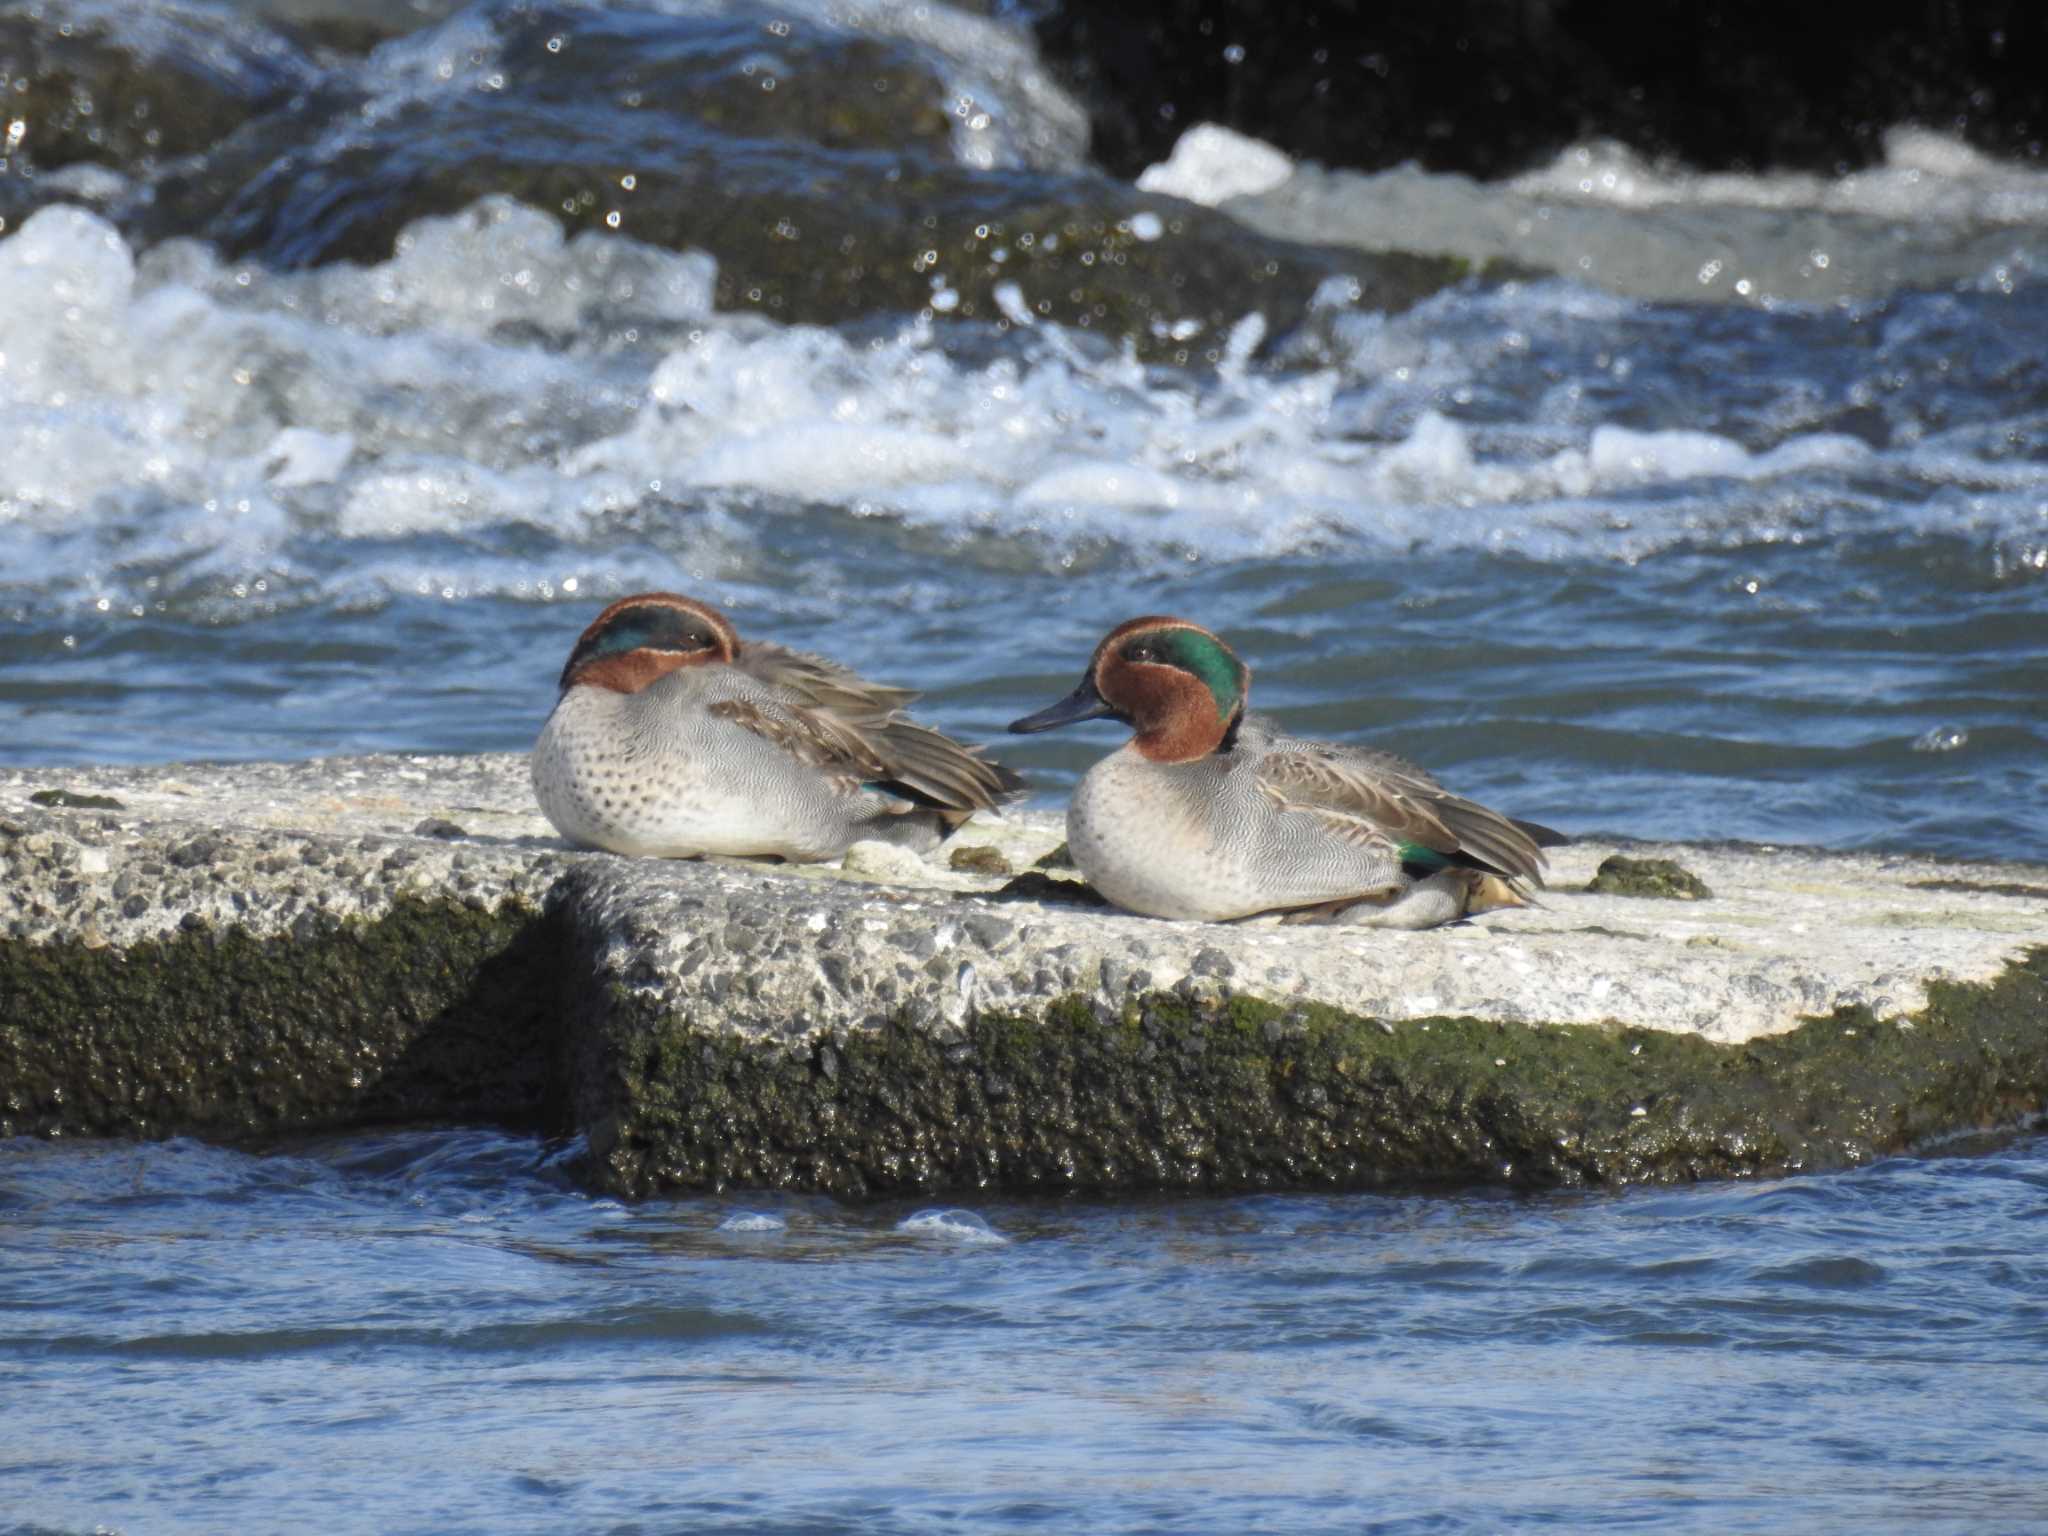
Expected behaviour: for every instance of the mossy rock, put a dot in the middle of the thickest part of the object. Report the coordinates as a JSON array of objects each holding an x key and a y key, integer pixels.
[
  {"x": 1193, "y": 1094},
  {"x": 709, "y": 1066},
  {"x": 433, "y": 1011},
  {"x": 65, "y": 799},
  {"x": 979, "y": 859},
  {"x": 1656, "y": 879}
]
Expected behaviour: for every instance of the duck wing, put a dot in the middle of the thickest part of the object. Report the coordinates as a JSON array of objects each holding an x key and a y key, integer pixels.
[
  {"x": 837, "y": 720},
  {"x": 1369, "y": 795}
]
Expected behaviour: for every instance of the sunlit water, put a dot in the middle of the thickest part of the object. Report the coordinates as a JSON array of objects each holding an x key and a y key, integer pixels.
[
  {"x": 1666, "y": 571},
  {"x": 437, "y": 1332}
]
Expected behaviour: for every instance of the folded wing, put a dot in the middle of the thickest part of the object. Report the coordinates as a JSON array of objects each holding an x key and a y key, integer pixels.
[
  {"x": 1373, "y": 796},
  {"x": 836, "y": 720}
]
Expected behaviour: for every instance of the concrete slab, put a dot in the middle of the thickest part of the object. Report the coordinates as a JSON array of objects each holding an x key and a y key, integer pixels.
[{"x": 424, "y": 877}]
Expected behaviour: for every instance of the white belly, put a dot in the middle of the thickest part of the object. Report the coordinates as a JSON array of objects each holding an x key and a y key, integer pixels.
[
  {"x": 1148, "y": 853},
  {"x": 600, "y": 791}
]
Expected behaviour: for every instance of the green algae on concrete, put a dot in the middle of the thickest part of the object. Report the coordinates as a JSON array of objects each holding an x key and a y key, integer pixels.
[
  {"x": 1657, "y": 879},
  {"x": 67, "y": 800},
  {"x": 1201, "y": 1093},
  {"x": 433, "y": 1010},
  {"x": 980, "y": 858},
  {"x": 1985, "y": 888}
]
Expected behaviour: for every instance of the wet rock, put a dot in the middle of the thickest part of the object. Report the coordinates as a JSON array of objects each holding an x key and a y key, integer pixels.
[
  {"x": 86, "y": 89},
  {"x": 1657, "y": 879},
  {"x": 349, "y": 26},
  {"x": 824, "y": 171}
]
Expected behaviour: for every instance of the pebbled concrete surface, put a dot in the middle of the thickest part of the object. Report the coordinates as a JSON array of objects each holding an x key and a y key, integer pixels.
[
  {"x": 782, "y": 959},
  {"x": 1787, "y": 934}
]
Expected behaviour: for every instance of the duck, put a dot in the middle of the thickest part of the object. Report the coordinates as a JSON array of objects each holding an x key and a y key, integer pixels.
[
  {"x": 1211, "y": 814},
  {"x": 673, "y": 738}
]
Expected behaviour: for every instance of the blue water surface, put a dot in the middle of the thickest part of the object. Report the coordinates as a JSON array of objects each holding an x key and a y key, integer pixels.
[{"x": 437, "y": 1331}]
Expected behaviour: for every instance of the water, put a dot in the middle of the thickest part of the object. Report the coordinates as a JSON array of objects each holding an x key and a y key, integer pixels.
[
  {"x": 435, "y": 1331},
  {"x": 1774, "y": 567},
  {"x": 1670, "y": 572},
  {"x": 1738, "y": 528}
]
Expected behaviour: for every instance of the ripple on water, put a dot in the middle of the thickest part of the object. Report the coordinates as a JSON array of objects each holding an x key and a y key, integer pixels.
[{"x": 1826, "y": 1272}]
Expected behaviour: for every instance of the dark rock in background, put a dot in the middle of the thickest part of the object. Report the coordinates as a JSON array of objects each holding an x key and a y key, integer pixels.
[
  {"x": 1492, "y": 87},
  {"x": 86, "y": 90},
  {"x": 917, "y": 160},
  {"x": 826, "y": 169}
]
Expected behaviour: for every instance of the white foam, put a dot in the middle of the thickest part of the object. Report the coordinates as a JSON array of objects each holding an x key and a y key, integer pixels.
[
  {"x": 189, "y": 425},
  {"x": 1620, "y": 457},
  {"x": 299, "y": 456},
  {"x": 832, "y": 461},
  {"x": 84, "y": 182},
  {"x": 1924, "y": 177},
  {"x": 1102, "y": 483},
  {"x": 752, "y": 1221},
  {"x": 66, "y": 279},
  {"x": 1211, "y": 163},
  {"x": 951, "y": 1225},
  {"x": 1935, "y": 212}
]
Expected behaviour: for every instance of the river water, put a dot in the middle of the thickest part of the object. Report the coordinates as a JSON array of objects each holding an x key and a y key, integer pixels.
[
  {"x": 1728, "y": 518},
  {"x": 436, "y": 1332}
]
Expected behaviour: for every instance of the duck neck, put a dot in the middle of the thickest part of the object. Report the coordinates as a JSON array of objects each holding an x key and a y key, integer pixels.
[{"x": 1179, "y": 721}]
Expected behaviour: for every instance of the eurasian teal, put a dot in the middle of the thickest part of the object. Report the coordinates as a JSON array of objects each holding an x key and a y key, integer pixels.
[
  {"x": 1211, "y": 813},
  {"x": 672, "y": 738}
]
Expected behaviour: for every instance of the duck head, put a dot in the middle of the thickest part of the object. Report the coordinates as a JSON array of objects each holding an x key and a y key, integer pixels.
[
  {"x": 646, "y": 636},
  {"x": 1174, "y": 683}
]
